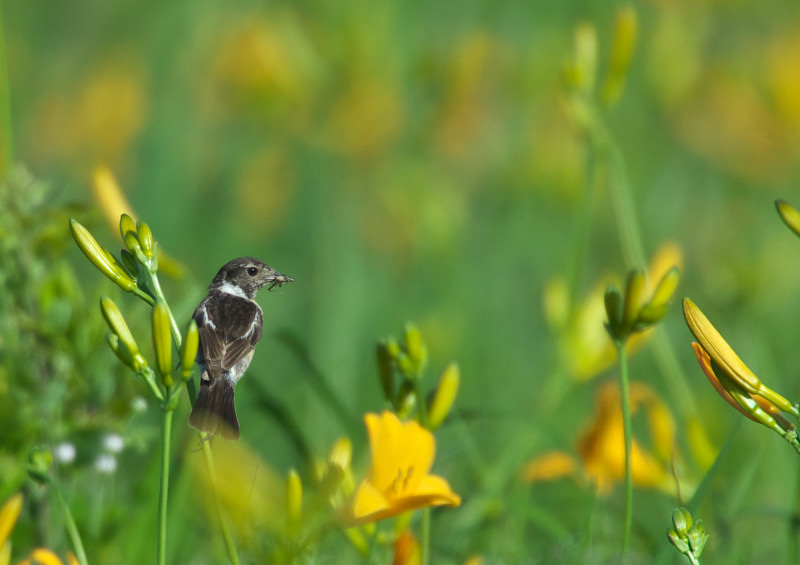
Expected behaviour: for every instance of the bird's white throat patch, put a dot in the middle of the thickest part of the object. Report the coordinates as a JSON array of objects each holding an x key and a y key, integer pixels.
[{"x": 232, "y": 289}]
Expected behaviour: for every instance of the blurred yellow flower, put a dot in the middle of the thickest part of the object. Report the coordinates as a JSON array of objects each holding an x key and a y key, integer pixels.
[
  {"x": 602, "y": 447},
  {"x": 9, "y": 513},
  {"x": 398, "y": 480},
  {"x": 585, "y": 346},
  {"x": 406, "y": 549},
  {"x": 41, "y": 556}
]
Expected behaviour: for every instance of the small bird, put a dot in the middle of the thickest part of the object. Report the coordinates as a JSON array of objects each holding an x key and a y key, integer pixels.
[{"x": 229, "y": 322}]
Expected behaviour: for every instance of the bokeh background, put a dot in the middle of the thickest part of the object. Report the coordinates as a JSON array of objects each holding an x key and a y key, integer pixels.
[{"x": 409, "y": 161}]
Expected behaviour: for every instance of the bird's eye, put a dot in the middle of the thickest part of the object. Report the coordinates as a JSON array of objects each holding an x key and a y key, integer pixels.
[{"x": 252, "y": 271}]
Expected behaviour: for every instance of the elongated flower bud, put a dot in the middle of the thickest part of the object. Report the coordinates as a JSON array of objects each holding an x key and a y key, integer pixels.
[
  {"x": 191, "y": 343},
  {"x": 634, "y": 297},
  {"x": 666, "y": 287},
  {"x": 385, "y": 371},
  {"x": 126, "y": 226},
  {"x": 162, "y": 342},
  {"x": 789, "y": 215},
  {"x": 294, "y": 503},
  {"x": 100, "y": 257},
  {"x": 145, "y": 239},
  {"x": 116, "y": 322},
  {"x": 415, "y": 348},
  {"x": 132, "y": 359},
  {"x": 444, "y": 397}
]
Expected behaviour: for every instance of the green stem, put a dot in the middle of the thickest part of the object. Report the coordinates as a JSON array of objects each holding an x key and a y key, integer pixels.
[
  {"x": 425, "y": 525},
  {"x": 164, "y": 491},
  {"x": 72, "y": 529},
  {"x": 227, "y": 537},
  {"x": 626, "y": 425},
  {"x": 7, "y": 141}
]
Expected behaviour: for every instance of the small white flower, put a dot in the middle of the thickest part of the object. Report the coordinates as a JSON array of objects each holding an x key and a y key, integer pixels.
[
  {"x": 113, "y": 443},
  {"x": 105, "y": 464},
  {"x": 64, "y": 453},
  {"x": 138, "y": 404}
]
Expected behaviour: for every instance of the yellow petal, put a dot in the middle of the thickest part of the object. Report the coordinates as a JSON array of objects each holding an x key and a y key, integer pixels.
[{"x": 8, "y": 516}]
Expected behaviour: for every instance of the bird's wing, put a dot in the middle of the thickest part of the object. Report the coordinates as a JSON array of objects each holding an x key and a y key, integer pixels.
[{"x": 229, "y": 328}]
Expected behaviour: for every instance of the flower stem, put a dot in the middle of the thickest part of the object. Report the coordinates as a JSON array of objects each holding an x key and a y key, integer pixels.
[
  {"x": 626, "y": 426},
  {"x": 227, "y": 537},
  {"x": 425, "y": 525},
  {"x": 72, "y": 529},
  {"x": 164, "y": 491}
]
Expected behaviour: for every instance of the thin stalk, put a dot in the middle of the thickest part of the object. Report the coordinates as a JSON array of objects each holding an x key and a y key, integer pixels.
[
  {"x": 7, "y": 141},
  {"x": 166, "y": 441},
  {"x": 72, "y": 528},
  {"x": 227, "y": 537},
  {"x": 425, "y": 524},
  {"x": 626, "y": 426}
]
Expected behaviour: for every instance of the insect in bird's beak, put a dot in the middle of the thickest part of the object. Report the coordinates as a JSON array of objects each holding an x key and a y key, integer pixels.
[{"x": 279, "y": 281}]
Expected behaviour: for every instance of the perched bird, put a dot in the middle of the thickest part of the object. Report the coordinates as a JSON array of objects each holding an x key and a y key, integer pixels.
[{"x": 229, "y": 322}]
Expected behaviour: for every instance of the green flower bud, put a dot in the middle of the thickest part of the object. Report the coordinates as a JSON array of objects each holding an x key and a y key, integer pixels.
[
  {"x": 444, "y": 397},
  {"x": 789, "y": 215},
  {"x": 191, "y": 343},
  {"x": 621, "y": 53},
  {"x": 385, "y": 370},
  {"x": 415, "y": 348},
  {"x": 666, "y": 287},
  {"x": 697, "y": 538},
  {"x": 39, "y": 463},
  {"x": 613, "y": 303},
  {"x": 634, "y": 297},
  {"x": 100, "y": 257},
  {"x": 130, "y": 263},
  {"x": 679, "y": 543},
  {"x": 134, "y": 360},
  {"x": 117, "y": 323},
  {"x": 132, "y": 242},
  {"x": 162, "y": 342},
  {"x": 406, "y": 400},
  {"x": 406, "y": 366},
  {"x": 294, "y": 502},
  {"x": 649, "y": 315},
  {"x": 682, "y": 521},
  {"x": 145, "y": 239},
  {"x": 392, "y": 348},
  {"x": 126, "y": 226}
]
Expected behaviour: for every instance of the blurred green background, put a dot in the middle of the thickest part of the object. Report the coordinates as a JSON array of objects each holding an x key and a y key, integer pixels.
[{"x": 402, "y": 162}]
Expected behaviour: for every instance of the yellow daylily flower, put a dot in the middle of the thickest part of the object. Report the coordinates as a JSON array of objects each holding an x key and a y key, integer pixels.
[
  {"x": 9, "y": 513},
  {"x": 602, "y": 447},
  {"x": 398, "y": 480}
]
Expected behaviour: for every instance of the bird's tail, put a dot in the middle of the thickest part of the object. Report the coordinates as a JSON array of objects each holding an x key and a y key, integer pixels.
[{"x": 214, "y": 411}]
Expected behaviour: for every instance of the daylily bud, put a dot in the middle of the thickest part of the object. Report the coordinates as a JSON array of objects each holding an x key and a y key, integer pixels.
[
  {"x": 613, "y": 303},
  {"x": 682, "y": 521},
  {"x": 162, "y": 342},
  {"x": 789, "y": 215},
  {"x": 191, "y": 343},
  {"x": 39, "y": 462},
  {"x": 117, "y": 323},
  {"x": 697, "y": 538},
  {"x": 444, "y": 397},
  {"x": 392, "y": 347},
  {"x": 415, "y": 349},
  {"x": 133, "y": 244},
  {"x": 385, "y": 370},
  {"x": 406, "y": 400},
  {"x": 134, "y": 360},
  {"x": 722, "y": 354},
  {"x": 621, "y": 53},
  {"x": 145, "y": 239},
  {"x": 100, "y": 257},
  {"x": 126, "y": 226},
  {"x": 405, "y": 365},
  {"x": 130, "y": 263},
  {"x": 675, "y": 540},
  {"x": 666, "y": 287},
  {"x": 294, "y": 502},
  {"x": 650, "y": 314},
  {"x": 634, "y": 297},
  {"x": 582, "y": 71}
]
